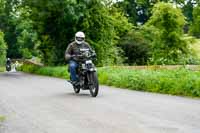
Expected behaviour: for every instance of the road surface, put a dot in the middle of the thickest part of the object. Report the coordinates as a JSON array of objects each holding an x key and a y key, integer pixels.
[{"x": 37, "y": 104}]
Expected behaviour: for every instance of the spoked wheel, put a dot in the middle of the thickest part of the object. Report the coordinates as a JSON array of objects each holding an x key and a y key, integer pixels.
[
  {"x": 94, "y": 84},
  {"x": 76, "y": 89}
]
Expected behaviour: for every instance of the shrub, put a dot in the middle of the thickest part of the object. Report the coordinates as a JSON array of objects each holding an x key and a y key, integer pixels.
[{"x": 136, "y": 47}]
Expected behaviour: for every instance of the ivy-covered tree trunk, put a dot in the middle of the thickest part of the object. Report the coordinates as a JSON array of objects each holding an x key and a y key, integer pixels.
[
  {"x": 3, "y": 49},
  {"x": 195, "y": 27}
]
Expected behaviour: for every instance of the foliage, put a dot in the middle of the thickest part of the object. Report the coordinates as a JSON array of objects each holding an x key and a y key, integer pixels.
[
  {"x": 27, "y": 39},
  {"x": 44, "y": 28},
  {"x": 60, "y": 72},
  {"x": 168, "y": 47},
  {"x": 194, "y": 48},
  {"x": 111, "y": 25},
  {"x": 176, "y": 82},
  {"x": 141, "y": 10},
  {"x": 2, "y": 118},
  {"x": 2, "y": 69},
  {"x": 195, "y": 27},
  {"x": 58, "y": 21},
  {"x": 18, "y": 29},
  {"x": 3, "y": 48},
  {"x": 136, "y": 46}
]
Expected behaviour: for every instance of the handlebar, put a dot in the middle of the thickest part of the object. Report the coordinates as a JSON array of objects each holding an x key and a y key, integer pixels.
[{"x": 93, "y": 55}]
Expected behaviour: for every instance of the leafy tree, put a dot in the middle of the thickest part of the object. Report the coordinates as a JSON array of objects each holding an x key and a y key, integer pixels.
[
  {"x": 136, "y": 46},
  {"x": 129, "y": 8},
  {"x": 195, "y": 27},
  {"x": 57, "y": 22},
  {"x": 168, "y": 47},
  {"x": 104, "y": 27},
  {"x": 27, "y": 39},
  {"x": 8, "y": 23},
  {"x": 140, "y": 11},
  {"x": 3, "y": 48}
]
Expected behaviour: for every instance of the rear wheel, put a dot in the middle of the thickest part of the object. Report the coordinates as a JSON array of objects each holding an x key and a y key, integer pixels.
[{"x": 93, "y": 84}]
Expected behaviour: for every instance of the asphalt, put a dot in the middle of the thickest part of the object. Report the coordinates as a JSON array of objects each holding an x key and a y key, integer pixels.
[{"x": 38, "y": 104}]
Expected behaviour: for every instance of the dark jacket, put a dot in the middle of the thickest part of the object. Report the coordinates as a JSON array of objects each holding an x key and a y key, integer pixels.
[{"x": 74, "y": 49}]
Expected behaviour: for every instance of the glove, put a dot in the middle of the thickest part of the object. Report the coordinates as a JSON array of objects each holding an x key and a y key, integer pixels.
[{"x": 94, "y": 55}]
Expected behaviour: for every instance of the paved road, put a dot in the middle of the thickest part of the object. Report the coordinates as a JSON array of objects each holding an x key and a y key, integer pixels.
[{"x": 36, "y": 104}]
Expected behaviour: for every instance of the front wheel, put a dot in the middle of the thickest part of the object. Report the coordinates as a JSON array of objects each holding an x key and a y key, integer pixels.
[
  {"x": 93, "y": 84},
  {"x": 76, "y": 89}
]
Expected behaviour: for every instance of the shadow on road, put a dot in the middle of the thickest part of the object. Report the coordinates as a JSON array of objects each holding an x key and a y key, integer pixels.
[
  {"x": 10, "y": 74},
  {"x": 71, "y": 94}
]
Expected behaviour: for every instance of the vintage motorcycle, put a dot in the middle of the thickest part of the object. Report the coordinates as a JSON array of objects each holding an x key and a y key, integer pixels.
[
  {"x": 8, "y": 65},
  {"x": 86, "y": 73}
]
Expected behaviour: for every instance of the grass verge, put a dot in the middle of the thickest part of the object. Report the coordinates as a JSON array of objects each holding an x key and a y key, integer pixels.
[
  {"x": 2, "y": 69},
  {"x": 181, "y": 81},
  {"x": 2, "y": 118}
]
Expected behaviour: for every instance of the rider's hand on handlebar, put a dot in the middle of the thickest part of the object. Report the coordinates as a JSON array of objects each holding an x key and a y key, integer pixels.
[{"x": 72, "y": 56}]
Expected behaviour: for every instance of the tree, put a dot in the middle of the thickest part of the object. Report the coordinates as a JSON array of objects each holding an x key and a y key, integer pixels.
[
  {"x": 27, "y": 38},
  {"x": 168, "y": 47},
  {"x": 104, "y": 26},
  {"x": 9, "y": 15},
  {"x": 129, "y": 8},
  {"x": 195, "y": 27},
  {"x": 56, "y": 23},
  {"x": 3, "y": 48},
  {"x": 136, "y": 47}
]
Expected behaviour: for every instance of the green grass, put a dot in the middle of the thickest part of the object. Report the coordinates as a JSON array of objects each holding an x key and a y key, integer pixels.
[
  {"x": 60, "y": 72},
  {"x": 2, "y": 118},
  {"x": 176, "y": 82},
  {"x": 2, "y": 69},
  {"x": 181, "y": 81}
]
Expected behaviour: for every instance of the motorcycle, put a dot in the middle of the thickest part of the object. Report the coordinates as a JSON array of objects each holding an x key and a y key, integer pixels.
[
  {"x": 86, "y": 73},
  {"x": 8, "y": 67}
]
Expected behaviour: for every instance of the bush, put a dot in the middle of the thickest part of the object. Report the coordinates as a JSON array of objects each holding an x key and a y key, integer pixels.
[
  {"x": 168, "y": 46},
  {"x": 136, "y": 47},
  {"x": 60, "y": 72}
]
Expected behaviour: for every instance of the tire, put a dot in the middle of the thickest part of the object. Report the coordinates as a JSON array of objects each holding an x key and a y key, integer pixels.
[
  {"x": 76, "y": 89},
  {"x": 94, "y": 87},
  {"x": 8, "y": 68}
]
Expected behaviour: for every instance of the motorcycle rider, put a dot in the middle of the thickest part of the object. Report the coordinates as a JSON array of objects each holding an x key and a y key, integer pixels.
[
  {"x": 72, "y": 51},
  {"x": 8, "y": 61},
  {"x": 8, "y": 64}
]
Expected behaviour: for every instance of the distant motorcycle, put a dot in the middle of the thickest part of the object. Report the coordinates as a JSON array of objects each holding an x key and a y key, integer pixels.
[
  {"x": 87, "y": 73},
  {"x": 8, "y": 65}
]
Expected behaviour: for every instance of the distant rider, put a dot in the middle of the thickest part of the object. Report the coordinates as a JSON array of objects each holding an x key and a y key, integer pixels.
[
  {"x": 72, "y": 51},
  {"x": 8, "y": 61}
]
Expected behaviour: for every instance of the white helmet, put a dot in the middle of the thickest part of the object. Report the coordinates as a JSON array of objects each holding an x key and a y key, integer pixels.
[{"x": 79, "y": 37}]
